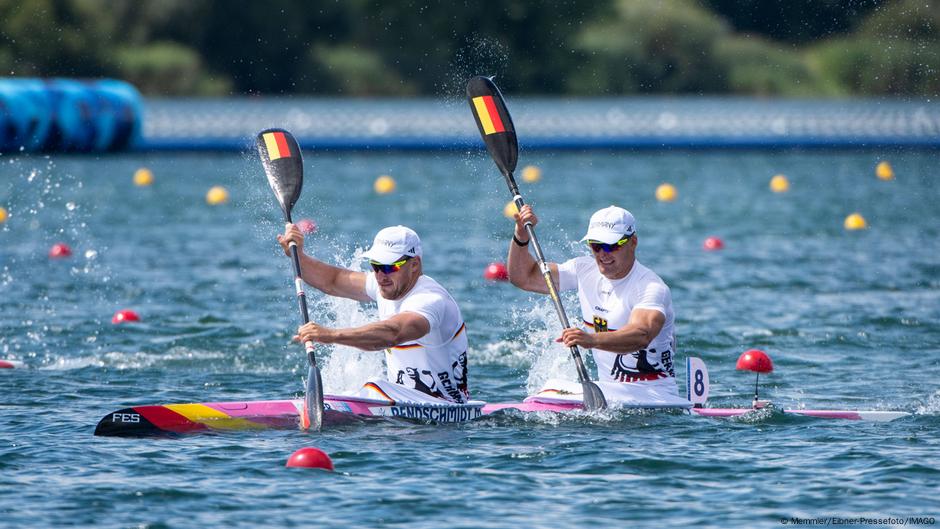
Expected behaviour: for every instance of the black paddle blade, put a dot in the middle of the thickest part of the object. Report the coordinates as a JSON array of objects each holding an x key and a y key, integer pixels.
[
  {"x": 312, "y": 418},
  {"x": 593, "y": 397},
  {"x": 495, "y": 124},
  {"x": 284, "y": 166}
]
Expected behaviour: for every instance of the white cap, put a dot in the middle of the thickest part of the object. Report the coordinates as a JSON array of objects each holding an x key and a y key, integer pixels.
[
  {"x": 609, "y": 225},
  {"x": 392, "y": 243}
]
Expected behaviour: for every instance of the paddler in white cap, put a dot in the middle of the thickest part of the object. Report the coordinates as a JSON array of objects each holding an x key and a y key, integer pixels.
[
  {"x": 627, "y": 313},
  {"x": 420, "y": 327}
]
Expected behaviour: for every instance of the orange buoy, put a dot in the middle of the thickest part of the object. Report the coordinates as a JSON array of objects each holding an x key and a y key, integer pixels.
[
  {"x": 666, "y": 193},
  {"x": 216, "y": 195},
  {"x": 884, "y": 171},
  {"x": 310, "y": 457},
  {"x": 855, "y": 221},
  {"x": 384, "y": 184},
  {"x": 779, "y": 184}
]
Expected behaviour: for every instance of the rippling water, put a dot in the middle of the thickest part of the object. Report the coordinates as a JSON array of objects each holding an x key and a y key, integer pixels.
[{"x": 852, "y": 320}]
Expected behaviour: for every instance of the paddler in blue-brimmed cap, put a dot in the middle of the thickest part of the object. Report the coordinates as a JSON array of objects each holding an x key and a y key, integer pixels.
[
  {"x": 420, "y": 327},
  {"x": 628, "y": 319}
]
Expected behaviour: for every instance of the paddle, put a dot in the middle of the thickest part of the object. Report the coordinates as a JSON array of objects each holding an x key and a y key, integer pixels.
[
  {"x": 499, "y": 134},
  {"x": 284, "y": 167}
]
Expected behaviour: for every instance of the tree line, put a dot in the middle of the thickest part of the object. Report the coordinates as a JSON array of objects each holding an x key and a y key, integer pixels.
[{"x": 789, "y": 48}]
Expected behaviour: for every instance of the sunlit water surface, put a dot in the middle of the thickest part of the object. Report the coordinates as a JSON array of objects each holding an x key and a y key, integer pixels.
[{"x": 851, "y": 319}]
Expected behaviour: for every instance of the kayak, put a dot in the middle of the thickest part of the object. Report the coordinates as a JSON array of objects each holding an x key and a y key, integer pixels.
[{"x": 156, "y": 420}]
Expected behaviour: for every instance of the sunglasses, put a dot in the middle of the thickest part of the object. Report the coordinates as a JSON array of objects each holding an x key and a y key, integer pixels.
[
  {"x": 597, "y": 246},
  {"x": 389, "y": 268}
]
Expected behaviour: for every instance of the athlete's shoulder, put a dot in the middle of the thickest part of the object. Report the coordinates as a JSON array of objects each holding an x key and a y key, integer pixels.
[
  {"x": 647, "y": 275},
  {"x": 426, "y": 287}
]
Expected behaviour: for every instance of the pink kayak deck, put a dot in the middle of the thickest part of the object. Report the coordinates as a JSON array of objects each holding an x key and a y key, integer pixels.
[
  {"x": 851, "y": 415},
  {"x": 364, "y": 407},
  {"x": 358, "y": 406}
]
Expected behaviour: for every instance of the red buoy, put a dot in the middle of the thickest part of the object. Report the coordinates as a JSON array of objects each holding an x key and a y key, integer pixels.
[
  {"x": 713, "y": 243},
  {"x": 755, "y": 360},
  {"x": 123, "y": 316},
  {"x": 6, "y": 365},
  {"x": 60, "y": 250},
  {"x": 496, "y": 272},
  {"x": 307, "y": 226},
  {"x": 310, "y": 457}
]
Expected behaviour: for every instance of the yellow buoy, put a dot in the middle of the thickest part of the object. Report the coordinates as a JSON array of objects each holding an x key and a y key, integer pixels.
[
  {"x": 143, "y": 177},
  {"x": 384, "y": 184},
  {"x": 855, "y": 221},
  {"x": 3, "y": 215},
  {"x": 779, "y": 184},
  {"x": 217, "y": 195},
  {"x": 884, "y": 171},
  {"x": 531, "y": 173},
  {"x": 510, "y": 210},
  {"x": 666, "y": 193}
]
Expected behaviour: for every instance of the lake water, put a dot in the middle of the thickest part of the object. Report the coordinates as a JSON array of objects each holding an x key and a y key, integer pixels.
[{"x": 851, "y": 319}]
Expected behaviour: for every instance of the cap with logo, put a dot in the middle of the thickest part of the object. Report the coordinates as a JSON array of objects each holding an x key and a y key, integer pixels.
[
  {"x": 392, "y": 243},
  {"x": 609, "y": 225}
]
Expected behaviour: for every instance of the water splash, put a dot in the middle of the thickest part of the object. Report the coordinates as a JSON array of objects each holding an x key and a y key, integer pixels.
[{"x": 345, "y": 368}]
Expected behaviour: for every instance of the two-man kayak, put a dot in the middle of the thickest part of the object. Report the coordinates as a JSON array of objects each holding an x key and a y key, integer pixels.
[{"x": 151, "y": 420}]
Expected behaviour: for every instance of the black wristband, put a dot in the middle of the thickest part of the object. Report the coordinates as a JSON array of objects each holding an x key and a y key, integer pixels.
[{"x": 518, "y": 242}]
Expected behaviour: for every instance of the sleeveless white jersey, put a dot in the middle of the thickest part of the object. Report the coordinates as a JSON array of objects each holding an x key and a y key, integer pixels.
[
  {"x": 606, "y": 306},
  {"x": 436, "y": 363}
]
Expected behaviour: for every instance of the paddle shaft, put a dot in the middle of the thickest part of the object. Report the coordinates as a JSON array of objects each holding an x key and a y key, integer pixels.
[
  {"x": 583, "y": 375},
  {"x": 301, "y": 297},
  {"x": 313, "y": 393}
]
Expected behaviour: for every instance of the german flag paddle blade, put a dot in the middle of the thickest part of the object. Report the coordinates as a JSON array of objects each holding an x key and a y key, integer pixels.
[
  {"x": 283, "y": 165},
  {"x": 495, "y": 124}
]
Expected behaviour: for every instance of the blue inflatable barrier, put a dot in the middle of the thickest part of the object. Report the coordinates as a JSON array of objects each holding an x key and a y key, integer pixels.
[
  {"x": 34, "y": 94},
  {"x": 66, "y": 115},
  {"x": 121, "y": 129}
]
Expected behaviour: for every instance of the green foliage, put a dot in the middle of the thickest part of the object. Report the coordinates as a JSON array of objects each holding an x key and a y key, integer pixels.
[
  {"x": 47, "y": 37},
  {"x": 650, "y": 46},
  {"x": 430, "y": 47},
  {"x": 896, "y": 51},
  {"x": 361, "y": 72},
  {"x": 881, "y": 67},
  {"x": 754, "y": 66},
  {"x": 167, "y": 68}
]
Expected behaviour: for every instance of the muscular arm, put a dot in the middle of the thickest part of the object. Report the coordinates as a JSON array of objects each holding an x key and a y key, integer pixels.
[
  {"x": 523, "y": 269},
  {"x": 399, "y": 329},
  {"x": 326, "y": 278},
  {"x": 643, "y": 326},
  {"x": 333, "y": 280}
]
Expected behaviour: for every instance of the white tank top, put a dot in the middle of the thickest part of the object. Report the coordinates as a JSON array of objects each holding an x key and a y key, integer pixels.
[
  {"x": 436, "y": 363},
  {"x": 606, "y": 306}
]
